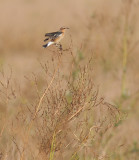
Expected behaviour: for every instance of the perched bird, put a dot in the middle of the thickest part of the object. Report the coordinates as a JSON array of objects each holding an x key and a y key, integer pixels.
[{"x": 55, "y": 37}]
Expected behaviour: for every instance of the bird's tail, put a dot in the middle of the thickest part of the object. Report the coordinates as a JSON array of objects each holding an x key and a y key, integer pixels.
[
  {"x": 44, "y": 46},
  {"x": 48, "y": 44}
]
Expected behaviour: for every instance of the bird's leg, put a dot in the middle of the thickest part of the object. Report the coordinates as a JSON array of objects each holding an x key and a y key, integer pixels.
[{"x": 59, "y": 46}]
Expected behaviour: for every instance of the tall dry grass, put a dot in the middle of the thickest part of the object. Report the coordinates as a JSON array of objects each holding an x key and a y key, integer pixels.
[{"x": 67, "y": 119}]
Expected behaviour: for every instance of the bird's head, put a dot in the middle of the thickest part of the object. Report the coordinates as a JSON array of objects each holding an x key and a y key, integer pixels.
[{"x": 63, "y": 29}]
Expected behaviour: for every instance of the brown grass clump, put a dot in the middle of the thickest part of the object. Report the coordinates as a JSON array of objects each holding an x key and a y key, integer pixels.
[{"x": 67, "y": 120}]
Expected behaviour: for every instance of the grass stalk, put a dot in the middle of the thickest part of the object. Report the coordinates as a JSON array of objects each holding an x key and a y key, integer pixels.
[
  {"x": 125, "y": 54},
  {"x": 52, "y": 147}
]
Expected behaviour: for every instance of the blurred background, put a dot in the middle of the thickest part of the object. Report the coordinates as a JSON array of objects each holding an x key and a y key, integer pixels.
[{"x": 105, "y": 30}]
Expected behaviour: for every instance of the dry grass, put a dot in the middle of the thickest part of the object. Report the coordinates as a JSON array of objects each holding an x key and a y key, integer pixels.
[{"x": 52, "y": 103}]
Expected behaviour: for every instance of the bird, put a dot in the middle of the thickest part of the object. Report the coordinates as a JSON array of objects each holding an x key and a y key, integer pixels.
[{"x": 55, "y": 37}]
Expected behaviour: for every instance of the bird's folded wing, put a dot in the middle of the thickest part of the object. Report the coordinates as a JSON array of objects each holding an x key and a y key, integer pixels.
[
  {"x": 46, "y": 39},
  {"x": 53, "y": 34}
]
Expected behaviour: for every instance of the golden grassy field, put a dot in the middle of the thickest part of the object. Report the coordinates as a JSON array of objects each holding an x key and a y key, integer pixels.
[{"x": 81, "y": 103}]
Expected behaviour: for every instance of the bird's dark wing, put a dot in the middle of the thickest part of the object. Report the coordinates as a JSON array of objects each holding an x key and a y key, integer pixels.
[
  {"x": 46, "y": 39},
  {"x": 53, "y": 34}
]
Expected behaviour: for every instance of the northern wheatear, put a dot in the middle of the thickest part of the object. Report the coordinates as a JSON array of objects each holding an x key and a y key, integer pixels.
[{"x": 55, "y": 37}]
